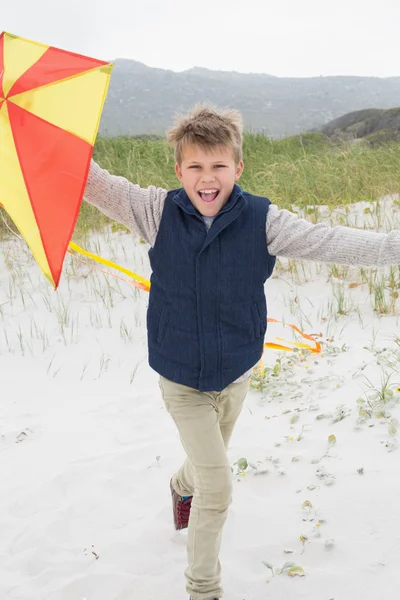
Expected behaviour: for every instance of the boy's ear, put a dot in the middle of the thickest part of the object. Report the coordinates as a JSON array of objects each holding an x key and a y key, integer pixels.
[
  {"x": 239, "y": 170},
  {"x": 178, "y": 171}
]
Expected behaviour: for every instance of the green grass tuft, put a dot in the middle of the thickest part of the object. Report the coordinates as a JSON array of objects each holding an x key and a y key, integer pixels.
[{"x": 304, "y": 170}]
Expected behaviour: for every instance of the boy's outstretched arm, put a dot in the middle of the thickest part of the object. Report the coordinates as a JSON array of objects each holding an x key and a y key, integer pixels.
[
  {"x": 292, "y": 237},
  {"x": 137, "y": 208}
]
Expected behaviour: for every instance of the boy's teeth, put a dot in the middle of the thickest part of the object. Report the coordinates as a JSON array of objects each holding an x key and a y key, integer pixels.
[{"x": 208, "y": 195}]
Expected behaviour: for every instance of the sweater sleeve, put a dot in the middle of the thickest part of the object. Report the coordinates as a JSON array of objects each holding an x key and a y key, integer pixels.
[
  {"x": 292, "y": 237},
  {"x": 139, "y": 209}
]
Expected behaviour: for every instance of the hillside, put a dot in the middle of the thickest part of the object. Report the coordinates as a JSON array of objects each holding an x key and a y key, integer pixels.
[
  {"x": 144, "y": 100},
  {"x": 373, "y": 125}
]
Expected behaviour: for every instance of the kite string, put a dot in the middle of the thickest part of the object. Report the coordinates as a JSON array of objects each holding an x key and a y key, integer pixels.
[
  {"x": 128, "y": 281},
  {"x": 108, "y": 263}
]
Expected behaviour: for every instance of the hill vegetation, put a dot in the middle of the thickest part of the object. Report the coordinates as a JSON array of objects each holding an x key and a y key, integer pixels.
[{"x": 374, "y": 126}]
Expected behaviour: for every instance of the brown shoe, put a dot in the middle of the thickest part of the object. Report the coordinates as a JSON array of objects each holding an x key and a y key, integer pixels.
[{"x": 181, "y": 509}]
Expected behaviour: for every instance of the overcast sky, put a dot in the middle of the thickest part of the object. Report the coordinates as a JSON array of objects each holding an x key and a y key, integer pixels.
[{"x": 289, "y": 38}]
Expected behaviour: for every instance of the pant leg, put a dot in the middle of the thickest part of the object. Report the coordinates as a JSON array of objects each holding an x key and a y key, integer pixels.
[
  {"x": 198, "y": 416},
  {"x": 230, "y": 403}
]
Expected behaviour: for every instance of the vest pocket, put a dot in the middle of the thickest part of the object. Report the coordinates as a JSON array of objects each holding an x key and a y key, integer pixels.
[
  {"x": 259, "y": 315},
  {"x": 163, "y": 323}
]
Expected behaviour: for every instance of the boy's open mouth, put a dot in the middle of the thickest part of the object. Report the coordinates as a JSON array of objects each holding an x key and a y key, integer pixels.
[{"x": 208, "y": 195}]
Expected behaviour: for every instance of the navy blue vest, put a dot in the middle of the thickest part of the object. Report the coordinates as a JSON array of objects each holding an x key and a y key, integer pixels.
[{"x": 207, "y": 313}]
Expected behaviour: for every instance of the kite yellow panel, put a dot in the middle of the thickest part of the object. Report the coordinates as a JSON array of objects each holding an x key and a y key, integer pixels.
[
  {"x": 55, "y": 102},
  {"x": 19, "y": 55}
]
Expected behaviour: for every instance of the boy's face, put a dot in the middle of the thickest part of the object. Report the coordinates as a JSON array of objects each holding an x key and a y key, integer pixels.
[{"x": 208, "y": 177}]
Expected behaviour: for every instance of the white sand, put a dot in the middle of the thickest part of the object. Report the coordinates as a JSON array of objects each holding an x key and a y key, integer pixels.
[{"x": 87, "y": 448}]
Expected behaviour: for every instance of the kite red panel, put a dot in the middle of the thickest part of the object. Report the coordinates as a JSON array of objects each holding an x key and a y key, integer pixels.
[
  {"x": 55, "y": 174},
  {"x": 53, "y": 66}
]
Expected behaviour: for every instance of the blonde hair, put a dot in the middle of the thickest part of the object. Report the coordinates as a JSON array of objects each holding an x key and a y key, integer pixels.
[{"x": 207, "y": 127}]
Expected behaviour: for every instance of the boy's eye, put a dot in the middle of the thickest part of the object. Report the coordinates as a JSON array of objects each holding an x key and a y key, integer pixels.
[{"x": 198, "y": 166}]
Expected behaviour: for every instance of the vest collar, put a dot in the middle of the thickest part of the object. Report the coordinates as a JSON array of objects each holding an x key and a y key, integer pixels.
[{"x": 226, "y": 215}]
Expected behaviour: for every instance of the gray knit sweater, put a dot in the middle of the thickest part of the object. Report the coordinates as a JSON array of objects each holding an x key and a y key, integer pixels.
[{"x": 286, "y": 235}]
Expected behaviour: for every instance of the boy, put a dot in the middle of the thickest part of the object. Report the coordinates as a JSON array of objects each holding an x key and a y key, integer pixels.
[{"x": 213, "y": 246}]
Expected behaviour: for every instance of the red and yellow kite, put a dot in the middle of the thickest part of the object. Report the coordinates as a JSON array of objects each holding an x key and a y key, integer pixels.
[{"x": 50, "y": 107}]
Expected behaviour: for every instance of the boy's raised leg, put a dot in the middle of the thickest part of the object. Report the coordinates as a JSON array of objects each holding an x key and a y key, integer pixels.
[
  {"x": 205, "y": 421},
  {"x": 230, "y": 403}
]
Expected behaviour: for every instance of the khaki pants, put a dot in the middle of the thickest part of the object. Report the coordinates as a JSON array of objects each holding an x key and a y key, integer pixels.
[{"x": 205, "y": 421}]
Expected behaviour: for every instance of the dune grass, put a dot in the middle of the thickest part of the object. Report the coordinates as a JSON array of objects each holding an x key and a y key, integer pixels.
[{"x": 301, "y": 171}]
